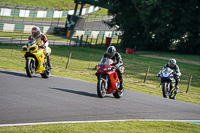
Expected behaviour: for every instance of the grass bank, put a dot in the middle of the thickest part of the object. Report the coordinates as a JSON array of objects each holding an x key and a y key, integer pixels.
[{"x": 110, "y": 127}]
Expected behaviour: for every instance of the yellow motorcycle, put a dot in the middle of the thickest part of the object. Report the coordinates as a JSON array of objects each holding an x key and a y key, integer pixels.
[{"x": 36, "y": 61}]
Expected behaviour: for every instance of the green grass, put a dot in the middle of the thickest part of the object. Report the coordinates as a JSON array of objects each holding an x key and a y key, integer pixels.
[
  {"x": 62, "y": 4},
  {"x": 109, "y": 127},
  {"x": 84, "y": 61}
]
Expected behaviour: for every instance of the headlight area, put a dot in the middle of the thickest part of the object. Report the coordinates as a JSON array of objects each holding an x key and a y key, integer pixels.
[
  {"x": 32, "y": 49},
  {"x": 24, "y": 49}
]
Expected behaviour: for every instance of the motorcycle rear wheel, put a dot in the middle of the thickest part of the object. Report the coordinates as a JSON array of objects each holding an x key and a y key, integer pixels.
[
  {"x": 101, "y": 90},
  {"x": 30, "y": 70},
  {"x": 173, "y": 96},
  {"x": 118, "y": 93},
  {"x": 46, "y": 73}
]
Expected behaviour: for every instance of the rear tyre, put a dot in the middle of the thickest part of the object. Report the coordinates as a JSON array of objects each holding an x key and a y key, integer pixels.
[
  {"x": 30, "y": 69},
  {"x": 101, "y": 90},
  {"x": 173, "y": 96},
  {"x": 164, "y": 90},
  {"x": 46, "y": 73},
  {"x": 118, "y": 93}
]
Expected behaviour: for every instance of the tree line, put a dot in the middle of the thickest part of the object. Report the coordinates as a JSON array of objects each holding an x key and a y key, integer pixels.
[{"x": 157, "y": 24}]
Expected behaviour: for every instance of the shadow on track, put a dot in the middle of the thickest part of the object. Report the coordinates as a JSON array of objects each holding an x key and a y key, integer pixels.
[
  {"x": 76, "y": 92},
  {"x": 17, "y": 74},
  {"x": 14, "y": 73}
]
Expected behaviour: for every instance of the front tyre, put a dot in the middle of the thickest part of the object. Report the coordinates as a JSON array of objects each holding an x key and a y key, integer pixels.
[
  {"x": 164, "y": 90},
  {"x": 30, "y": 69},
  {"x": 101, "y": 90}
]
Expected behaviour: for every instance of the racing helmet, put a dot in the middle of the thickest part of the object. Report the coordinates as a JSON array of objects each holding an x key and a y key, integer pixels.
[
  {"x": 172, "y": 62},
  {"x": 35, "y": 32},
  {"x": 111, "y": 51}
]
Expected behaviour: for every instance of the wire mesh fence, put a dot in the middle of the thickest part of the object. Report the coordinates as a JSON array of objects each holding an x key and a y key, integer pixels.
[
  {"x": 73, "y": 41},
  {"x": 41, "y": 16}
]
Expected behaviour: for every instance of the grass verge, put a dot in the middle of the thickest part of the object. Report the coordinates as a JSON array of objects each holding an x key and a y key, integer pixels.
[{"x": 109, "y": 127}]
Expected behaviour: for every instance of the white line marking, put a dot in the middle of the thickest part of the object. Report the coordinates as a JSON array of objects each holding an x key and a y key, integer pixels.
[{"x": 64, "y": 122}]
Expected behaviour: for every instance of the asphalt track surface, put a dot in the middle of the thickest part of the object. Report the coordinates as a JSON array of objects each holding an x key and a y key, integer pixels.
[{"x": 31, "y": 100}]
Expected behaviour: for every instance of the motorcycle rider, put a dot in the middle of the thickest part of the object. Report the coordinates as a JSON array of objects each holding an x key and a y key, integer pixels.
[
  {"x": 117, "y": 62},
  {"x": 172, "y": 65},
  {"x": 41, "y": 41}
]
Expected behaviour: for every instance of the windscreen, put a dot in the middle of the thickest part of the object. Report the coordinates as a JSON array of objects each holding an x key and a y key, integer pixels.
[
  {"x": 105, "y": 61},
  {"x": 167, "y": 70},
  {"x": 31, "y": 42}
]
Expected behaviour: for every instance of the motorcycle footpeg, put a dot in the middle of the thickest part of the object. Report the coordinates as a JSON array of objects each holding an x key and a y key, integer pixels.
[{"x": 49, "y": 68}]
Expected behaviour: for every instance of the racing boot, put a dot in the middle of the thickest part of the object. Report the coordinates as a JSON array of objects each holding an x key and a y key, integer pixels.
[
  {"x": 49, "y": 61},
  {"x": 121, "y": 85},
  {"x": 177, "y": 87}
]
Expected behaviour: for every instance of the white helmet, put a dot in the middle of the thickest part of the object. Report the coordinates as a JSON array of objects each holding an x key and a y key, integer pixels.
[
  {"x": 172, "y": 62},
  {"x": 111, "y": 51}
]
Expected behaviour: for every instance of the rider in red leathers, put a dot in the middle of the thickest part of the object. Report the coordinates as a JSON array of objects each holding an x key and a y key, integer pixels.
[{"x": 41, "y": 41}]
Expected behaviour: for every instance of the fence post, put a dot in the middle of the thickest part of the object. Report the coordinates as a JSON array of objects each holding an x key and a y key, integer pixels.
[
  {"x": 91, "y": 40},
  {"x": 68, "y": 60},
  {"x": 97, "y": 39},
  {"x": 21, "y": 39},
  {"x": 70, "y": 41},
  {"x": 77, "y": 40},
  {"x": 117, "y": 39},
  {"x": 102, "y": 39},
  {"x": 80, "y": 43},
  {"x": 86, "y": 40},
  {"x": 146, "y": 74},
  {"x": 189, "y": 84}
]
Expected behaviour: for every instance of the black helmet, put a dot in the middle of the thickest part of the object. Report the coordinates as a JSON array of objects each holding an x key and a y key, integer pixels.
[{"x": 111, "y": 51}]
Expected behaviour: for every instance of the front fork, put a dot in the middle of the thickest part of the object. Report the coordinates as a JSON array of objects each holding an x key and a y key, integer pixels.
[
  {"x": 105, "y": 79},
  {"x": 34, "y": 66}
]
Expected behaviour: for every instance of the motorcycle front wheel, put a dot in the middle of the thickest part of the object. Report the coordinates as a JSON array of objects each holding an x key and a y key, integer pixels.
[
  {"x": 164, "y": 90},
  {"x": 101, "y": 90},
  {"x": 30, "y": 69}
]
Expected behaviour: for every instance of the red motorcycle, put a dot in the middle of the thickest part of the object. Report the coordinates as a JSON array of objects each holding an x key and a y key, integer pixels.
[{"x": 108, "y": 81}]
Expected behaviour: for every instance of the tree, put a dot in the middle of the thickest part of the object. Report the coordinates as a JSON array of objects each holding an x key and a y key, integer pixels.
[{"x": 157, "y": 24}]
